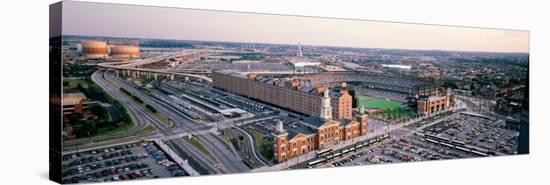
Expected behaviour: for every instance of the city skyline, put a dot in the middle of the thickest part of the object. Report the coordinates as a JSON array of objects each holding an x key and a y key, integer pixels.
[
  {"x": 128, "y": 21},
  {"x": 213, "y": 92}
]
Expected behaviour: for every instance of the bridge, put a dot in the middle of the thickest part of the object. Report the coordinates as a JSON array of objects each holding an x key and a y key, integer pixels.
[
  {"x": 187, "y": 134},
  {"x": 133, "y": 68}
]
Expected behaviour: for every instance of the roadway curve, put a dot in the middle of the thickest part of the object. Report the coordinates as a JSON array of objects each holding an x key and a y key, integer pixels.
[
  {"x": 139, "y": 119},
  {"x": 141, "y": 115},
  {"x": 224, "y": 153},
  {"x": 134, "y": 66}
]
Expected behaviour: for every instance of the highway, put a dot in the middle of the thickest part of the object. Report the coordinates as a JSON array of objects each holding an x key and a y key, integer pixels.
[
  {"x": 135, "y": 65},
  {"x": 224, "y": 153},
  {"x": 139, "y": 119},
  {"x": 141, "y": 116}
]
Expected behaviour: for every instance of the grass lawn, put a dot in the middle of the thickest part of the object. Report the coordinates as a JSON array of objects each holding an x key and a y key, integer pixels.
[
  {"x": 162, "y": 118},
  {"x": 393, "y": 110},
  {"x": 74, "y": 83},
  {"x": 262, "y": 144},
  {"x": 397, "y": 113},
  {"x": 377, "y": 103},
  {"x": 114, "y": 130},
  {"x": 199, "y": 146},
  {"x": 259, "y": 137}
]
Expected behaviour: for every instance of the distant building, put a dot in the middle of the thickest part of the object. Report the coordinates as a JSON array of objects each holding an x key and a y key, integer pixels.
[
  {"x": 74, "y": 103},
  {"x": 300, "y": 54},
  {"x": 292, "y": 94},
  {"x": 94, "y": 49},
  {"x": 125, "y": 51},
  {"x": 299, "y": 62},
  {"x": 395, "y": 66},
  {"x": 410, "y": 62},
  {"x": 523, "y": 140},
  {"x": 429, "y": 73},
  {"x": 102, "y": 49},
  {"x": 435, "y": 103},
  {"x": 510, "y": 104},
  {"x": 320, "y": 134}
]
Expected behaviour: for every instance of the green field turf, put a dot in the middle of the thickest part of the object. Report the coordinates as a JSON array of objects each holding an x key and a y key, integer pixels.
[
  {"x": 393, "y": 110},
  {"x": 377, "y": 103}
]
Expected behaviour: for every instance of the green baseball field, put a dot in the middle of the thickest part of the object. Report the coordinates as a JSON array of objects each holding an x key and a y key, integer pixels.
[
  {"x": 393, "y": 110},
  {"x": 377, "y": 103}
]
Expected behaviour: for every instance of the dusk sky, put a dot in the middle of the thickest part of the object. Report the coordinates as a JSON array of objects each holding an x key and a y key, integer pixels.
[{"x": 94, "y": 19}]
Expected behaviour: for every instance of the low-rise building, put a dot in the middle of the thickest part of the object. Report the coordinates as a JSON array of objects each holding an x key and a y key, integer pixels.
[
  {"x": 74, "y": 103},
  {"x": 435, "y": 103},
  {"x": 318, "y": 135}
]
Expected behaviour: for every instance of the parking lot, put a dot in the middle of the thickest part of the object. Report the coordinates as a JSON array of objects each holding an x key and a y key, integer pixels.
[
  {"x": 124, "y": 162},
  {"x": 399, "y": 150},
  {"x": 464, "y": 132},
  {"x": 485, "y": 133}
]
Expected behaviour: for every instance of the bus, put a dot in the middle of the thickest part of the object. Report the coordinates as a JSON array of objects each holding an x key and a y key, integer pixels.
[
  {"x": 458, "y": 143},
  {"x": 432, "y": 141},
  {"x": 316, "y": 162},
  {"x": 324, "y": 152},
  {"x": 446, "y": 144},
  {"x": 479, "y": 153},
  {"x": 345, "y": 151},
  {"x": 463, "y": 149}
]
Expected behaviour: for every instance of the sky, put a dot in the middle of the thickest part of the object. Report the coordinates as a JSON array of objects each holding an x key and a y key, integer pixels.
[{"x": 96, "y": 19}]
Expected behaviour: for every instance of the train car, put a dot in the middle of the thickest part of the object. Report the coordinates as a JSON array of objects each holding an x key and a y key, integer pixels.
[
  {"x": 443, "y": 138},
  {"x": 345, "y": 151},
  {"x": 316, "y": 162},
  {"x": 329, "y": 157},
  {"x": 479, "y": 153},
  {"x": 432, "y": 141},
  {"x": 419, "y": 134},
  {"x": 446, "y": 144},
  {"x": 324, "y": 152},
  {"x": 372, "y": 141},
  {"x": 458, "y": 143},
  {"x": 463, "y": 149}
]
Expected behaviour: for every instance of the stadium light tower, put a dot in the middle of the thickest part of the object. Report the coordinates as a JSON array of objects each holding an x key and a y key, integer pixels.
[{"x": 300, "y": 54}]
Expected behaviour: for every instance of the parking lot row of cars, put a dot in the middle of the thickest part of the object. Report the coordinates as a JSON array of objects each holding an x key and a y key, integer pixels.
[
  {"x": 244, "y": 103},
  {"x": 125, "y": 162},
  {"x": 92, "y": 153},
  {"x": 103, "y": 159},
  {"x": 361, "y": 156},
  {"x": 163, "y": 160},
  {"x": 80, "y": 169},
  {"x": 376, "y": 159},
  {"x": 488, "y": 134},
  {"x": 433, "y": 151},
  {"x": 448, "y": 140},
  {"x": 126, "y": 172},
  {"x": 350, "y": 158},
  {"x": 398, "y": 150}
]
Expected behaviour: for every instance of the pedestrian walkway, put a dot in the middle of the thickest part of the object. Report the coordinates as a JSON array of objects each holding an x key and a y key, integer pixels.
[{"x": 181, "y": 162}]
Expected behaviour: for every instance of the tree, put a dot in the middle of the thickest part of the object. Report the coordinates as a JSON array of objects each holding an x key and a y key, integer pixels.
[{"x": 450, "y": 84}]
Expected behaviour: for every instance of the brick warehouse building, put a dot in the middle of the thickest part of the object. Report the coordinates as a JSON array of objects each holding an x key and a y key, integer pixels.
[
  {"x": 287, "y": 93},
  {"x": 439, "y": 102},
  {"x": 319, "y": 135},
  {"x": 330, "y": 123}
]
